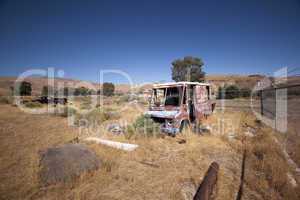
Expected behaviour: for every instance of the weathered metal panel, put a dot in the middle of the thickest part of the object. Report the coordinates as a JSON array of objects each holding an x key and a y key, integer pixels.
[{"x": 201, "y": 101}]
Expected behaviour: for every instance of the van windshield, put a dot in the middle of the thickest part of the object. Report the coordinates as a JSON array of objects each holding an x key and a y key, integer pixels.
[{"x": 167, "y": 96}]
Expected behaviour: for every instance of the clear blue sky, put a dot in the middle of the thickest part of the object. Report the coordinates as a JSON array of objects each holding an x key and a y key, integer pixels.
[{"x": 143, "y": 37}]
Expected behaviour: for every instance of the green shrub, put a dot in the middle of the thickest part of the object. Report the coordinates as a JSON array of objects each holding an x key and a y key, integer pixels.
[
  {"x": 98, "y": 116},
  {"x": 221, "y": 92},
  {"x": 145, "y": 124},
  {"x": 229, "y": 92},
  {"x": 81, "y": 91},
  {"x": 245, "y": 92},
  {"x": 33, "y": 104},
  {"x": 232, "y": 92}
]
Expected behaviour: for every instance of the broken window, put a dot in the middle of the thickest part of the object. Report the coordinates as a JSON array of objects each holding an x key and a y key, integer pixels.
[
  {"x": 173, "y": 96},
  {"x": 167, "y": 96},
  {"x": 158, "y": 98}
]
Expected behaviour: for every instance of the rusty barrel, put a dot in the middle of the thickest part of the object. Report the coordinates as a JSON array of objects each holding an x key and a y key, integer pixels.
[{"x": 206, "y": 188}]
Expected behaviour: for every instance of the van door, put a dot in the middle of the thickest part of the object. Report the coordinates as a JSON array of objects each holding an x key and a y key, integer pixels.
[{"x": 202, "y": 102}]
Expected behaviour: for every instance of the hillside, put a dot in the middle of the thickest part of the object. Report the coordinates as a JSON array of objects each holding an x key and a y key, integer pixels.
[{"x": 39, "y": 82}]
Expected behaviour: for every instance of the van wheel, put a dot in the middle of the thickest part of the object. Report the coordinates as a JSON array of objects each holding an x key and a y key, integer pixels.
[{"x": 183, "y": 126}]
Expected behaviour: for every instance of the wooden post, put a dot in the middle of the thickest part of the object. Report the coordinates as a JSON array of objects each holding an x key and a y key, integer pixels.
[{"x": 261, "y": 103}]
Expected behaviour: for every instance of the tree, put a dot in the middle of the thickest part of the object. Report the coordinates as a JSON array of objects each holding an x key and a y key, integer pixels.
[
  {"x": 49, "y": 91},
  {"x": 45, "y": 90},
  {"x": 92, "y": 92},
  {"x": 245, "y": 92},
  {"x": 108, "y": 89},
  {"x": 232, "y": 92},
  {"x": 67, "y": 91},
  {"x": 24, "y": 88},
  {"x": 81, "y": 91},
  {"x": 188, "y": 69},
  {"x": 221, "y": 92}
]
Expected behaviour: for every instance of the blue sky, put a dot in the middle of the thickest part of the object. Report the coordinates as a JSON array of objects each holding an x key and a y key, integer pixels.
[{"x": 142, "y": 38}]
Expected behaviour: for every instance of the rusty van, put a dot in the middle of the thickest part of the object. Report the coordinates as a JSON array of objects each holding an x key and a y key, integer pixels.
[{"x": 180, "y": 104}]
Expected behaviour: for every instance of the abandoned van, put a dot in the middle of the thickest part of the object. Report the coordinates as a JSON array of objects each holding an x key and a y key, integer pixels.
[{"x": 177, "y": 105}]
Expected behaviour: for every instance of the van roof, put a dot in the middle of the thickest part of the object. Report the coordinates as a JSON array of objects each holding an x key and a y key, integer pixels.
[{"x": 181, "y": 83}]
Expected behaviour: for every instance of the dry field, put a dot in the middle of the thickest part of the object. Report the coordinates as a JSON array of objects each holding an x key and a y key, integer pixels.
[{"x": 160, "y": 168}]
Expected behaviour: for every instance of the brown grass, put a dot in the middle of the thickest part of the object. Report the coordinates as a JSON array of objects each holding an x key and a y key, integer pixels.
[
  {"x": 122, "y": 175},
  {"x": 22, "y": 136},
  {"x": 266, "y": 166},
  {"x": 160, "y": 168}
]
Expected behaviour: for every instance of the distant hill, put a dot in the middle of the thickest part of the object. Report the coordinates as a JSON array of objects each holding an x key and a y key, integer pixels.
[
  {"x": 243, "y": 81},
  {"x": 39, "y": 82}
]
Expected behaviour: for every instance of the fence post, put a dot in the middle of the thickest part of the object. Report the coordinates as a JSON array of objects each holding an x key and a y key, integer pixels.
[
  {"x": 261, "y": 103},
  {"x": 275, "y": 108}
]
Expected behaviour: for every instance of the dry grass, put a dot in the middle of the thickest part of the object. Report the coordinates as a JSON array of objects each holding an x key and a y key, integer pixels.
[
  {"x": 292, "y": 139},
  {"x": 266, "y": 165},
  {"x": 160, "y": 168},
  {"x": 156, "y": 170},
  {"x": 22, "y": 136}
]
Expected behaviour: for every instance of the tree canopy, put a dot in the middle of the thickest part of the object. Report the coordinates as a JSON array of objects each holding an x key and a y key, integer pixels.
[
  {"x": 188, "y": 69},
  {"x": 81, "y": 91},
  {"x": 108, "y": 89},
  {"x": 24, "y": 88},
  {"x": 229, "y": 92},
  {"x": 48, "y": 91}
]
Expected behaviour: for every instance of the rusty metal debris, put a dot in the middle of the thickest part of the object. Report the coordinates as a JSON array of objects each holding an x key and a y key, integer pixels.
[{"x": 206, "y": 188}]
